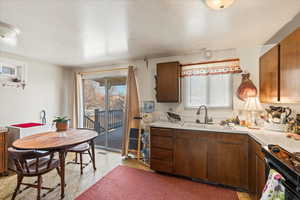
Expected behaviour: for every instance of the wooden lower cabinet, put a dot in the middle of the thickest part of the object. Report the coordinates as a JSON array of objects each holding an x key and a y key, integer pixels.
[
  {"x": 161, "y": 151},
  {"x": 228, "y": 160},
  {"x": 214, "y": 157},
  {"x": 257, "y": 176},
  {"x": 3, "y": 153},
  {"x": 190, "y": 154}
]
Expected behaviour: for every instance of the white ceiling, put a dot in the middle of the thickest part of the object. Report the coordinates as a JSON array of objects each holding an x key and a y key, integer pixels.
[{"x": 81, "y": 32}]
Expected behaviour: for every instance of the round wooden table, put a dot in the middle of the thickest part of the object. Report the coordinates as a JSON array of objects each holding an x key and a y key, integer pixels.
[{"x": 60, "y": 142}]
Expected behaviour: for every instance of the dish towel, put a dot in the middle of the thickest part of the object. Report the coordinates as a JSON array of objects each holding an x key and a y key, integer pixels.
[{"x": 273, "y": 190}]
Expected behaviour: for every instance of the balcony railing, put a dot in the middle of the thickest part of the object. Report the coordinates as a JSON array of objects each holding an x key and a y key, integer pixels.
[{"x": 115, "y": 120}]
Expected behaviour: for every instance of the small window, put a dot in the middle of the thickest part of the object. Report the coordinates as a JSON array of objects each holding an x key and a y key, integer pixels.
[
  {"x": 209, "y": 83},
  {"x": 212, "y": 91}
]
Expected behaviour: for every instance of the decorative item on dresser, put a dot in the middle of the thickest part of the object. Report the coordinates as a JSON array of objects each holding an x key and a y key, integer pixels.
[{"x": 3, "y": 151}]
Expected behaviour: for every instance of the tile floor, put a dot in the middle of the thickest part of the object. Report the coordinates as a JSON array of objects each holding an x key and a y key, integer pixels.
[{"x": 75, "y": 183}]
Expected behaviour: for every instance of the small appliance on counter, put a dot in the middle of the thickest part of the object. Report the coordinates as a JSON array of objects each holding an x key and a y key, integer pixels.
[
  {"x": 288, "y": 165},
  {"x": 173, "y": 117},
  {"x": 277, "y": 118}
]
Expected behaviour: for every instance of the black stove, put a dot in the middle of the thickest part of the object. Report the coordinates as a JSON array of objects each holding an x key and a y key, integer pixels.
[{"x": 288, "y": 165}]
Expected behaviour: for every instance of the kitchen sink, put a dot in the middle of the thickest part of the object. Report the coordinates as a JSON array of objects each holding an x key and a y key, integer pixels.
[{"x": 206, "y": 126}]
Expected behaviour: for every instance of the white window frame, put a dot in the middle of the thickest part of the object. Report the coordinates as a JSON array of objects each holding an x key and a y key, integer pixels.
[{"x": 186, "y": 93}]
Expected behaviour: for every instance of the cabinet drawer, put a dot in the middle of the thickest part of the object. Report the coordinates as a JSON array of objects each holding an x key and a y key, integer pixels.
[
  {"x": 232, "y": 138},
  {"x": 161, "y": 166},
  {"x": 161, "y": 142},
  {"x": 162, "y": 132},
  {"x": 161, "y": 154}
]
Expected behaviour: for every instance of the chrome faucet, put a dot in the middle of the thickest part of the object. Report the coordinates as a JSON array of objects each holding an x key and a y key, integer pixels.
[{"x": 205, "y": 117}]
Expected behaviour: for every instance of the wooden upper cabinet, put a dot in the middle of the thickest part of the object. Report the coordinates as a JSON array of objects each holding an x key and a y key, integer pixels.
[
  {"x": 269, "y": 76},
  {"x": 290, "y": 68},
  {"x": 168, "y": 82}
]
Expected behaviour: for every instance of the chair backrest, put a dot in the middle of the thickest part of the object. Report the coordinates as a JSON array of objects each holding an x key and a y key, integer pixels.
[{"x": 24, "y": 159}]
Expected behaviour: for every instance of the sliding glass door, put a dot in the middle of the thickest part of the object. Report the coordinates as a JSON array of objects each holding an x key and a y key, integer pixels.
[{"x": 103, "y": 102}]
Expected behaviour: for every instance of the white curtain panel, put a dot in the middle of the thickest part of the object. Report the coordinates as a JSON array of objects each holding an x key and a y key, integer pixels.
[{"x": 78, "y": 103}]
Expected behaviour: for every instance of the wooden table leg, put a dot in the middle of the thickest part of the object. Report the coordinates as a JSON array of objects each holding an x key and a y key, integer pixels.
[
  {"x": 93, "y": 154},
  {"x": 62, "y": 155}
]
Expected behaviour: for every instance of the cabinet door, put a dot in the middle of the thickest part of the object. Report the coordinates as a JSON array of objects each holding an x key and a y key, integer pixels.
[
  {"x": 168, "y": 82},
  {"x": 252, "y": 169},
  {"x": 228, "y": 160},
  {"x": 257, "y": 177},
  {"x": 2, "y": 153},
  {"x": 190, "y": 154},
  {"x": 290, "y": 68},
  {"x": 260, "y": 176},
  {"x": 269, "y": 76}
]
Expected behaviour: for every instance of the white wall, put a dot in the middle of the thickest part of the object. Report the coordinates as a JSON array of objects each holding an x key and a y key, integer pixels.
[
  {"x": 249, "y": 61},
  {"x": 146, "y": 83},
  {"x": 48, "y": 87}
]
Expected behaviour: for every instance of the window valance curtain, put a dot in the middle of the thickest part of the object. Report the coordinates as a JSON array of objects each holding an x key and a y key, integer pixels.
[{"x": 231, "y": 66}]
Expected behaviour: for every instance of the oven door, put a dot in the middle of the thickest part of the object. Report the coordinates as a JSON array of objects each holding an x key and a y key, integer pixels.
[{"x": 291, "y": 192}]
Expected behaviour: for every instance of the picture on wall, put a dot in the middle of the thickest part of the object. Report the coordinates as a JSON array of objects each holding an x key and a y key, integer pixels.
[{"x": 148, "y": 106}]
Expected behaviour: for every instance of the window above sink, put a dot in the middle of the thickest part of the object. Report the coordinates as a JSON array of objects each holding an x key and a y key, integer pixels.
[{"x": 209, "y": 83}]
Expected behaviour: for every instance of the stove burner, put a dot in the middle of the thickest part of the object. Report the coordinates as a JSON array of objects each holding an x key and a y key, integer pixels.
[
  {"x": 292, "y": 160},
  {"x": 275, "y": 150}
]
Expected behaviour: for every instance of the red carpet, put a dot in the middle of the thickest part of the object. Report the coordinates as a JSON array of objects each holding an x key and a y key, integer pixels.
[{"x": 124, "y": 183}]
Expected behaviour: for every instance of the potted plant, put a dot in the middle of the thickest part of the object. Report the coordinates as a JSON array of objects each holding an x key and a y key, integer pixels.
[{"x": 61, "y": 123}]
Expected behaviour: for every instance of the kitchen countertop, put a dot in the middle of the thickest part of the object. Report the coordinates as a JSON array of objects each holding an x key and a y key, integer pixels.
[{"x": 264, "y": 137}]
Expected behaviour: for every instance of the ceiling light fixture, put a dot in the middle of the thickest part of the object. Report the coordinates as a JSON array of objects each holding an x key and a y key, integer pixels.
[
  {"x": 218, "y": 4},
  {"x": 8, "y": 31}
]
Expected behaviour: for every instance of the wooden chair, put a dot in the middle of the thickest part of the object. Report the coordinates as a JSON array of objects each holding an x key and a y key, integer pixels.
[
  {"x": 30, "y": 163},
  {"x": 82, "y": 149}
]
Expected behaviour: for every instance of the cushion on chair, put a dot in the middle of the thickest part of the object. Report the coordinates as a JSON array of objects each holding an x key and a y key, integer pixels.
[
  {"x": 80, "y": 148},
  {"x": 42, "y": 166}
]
